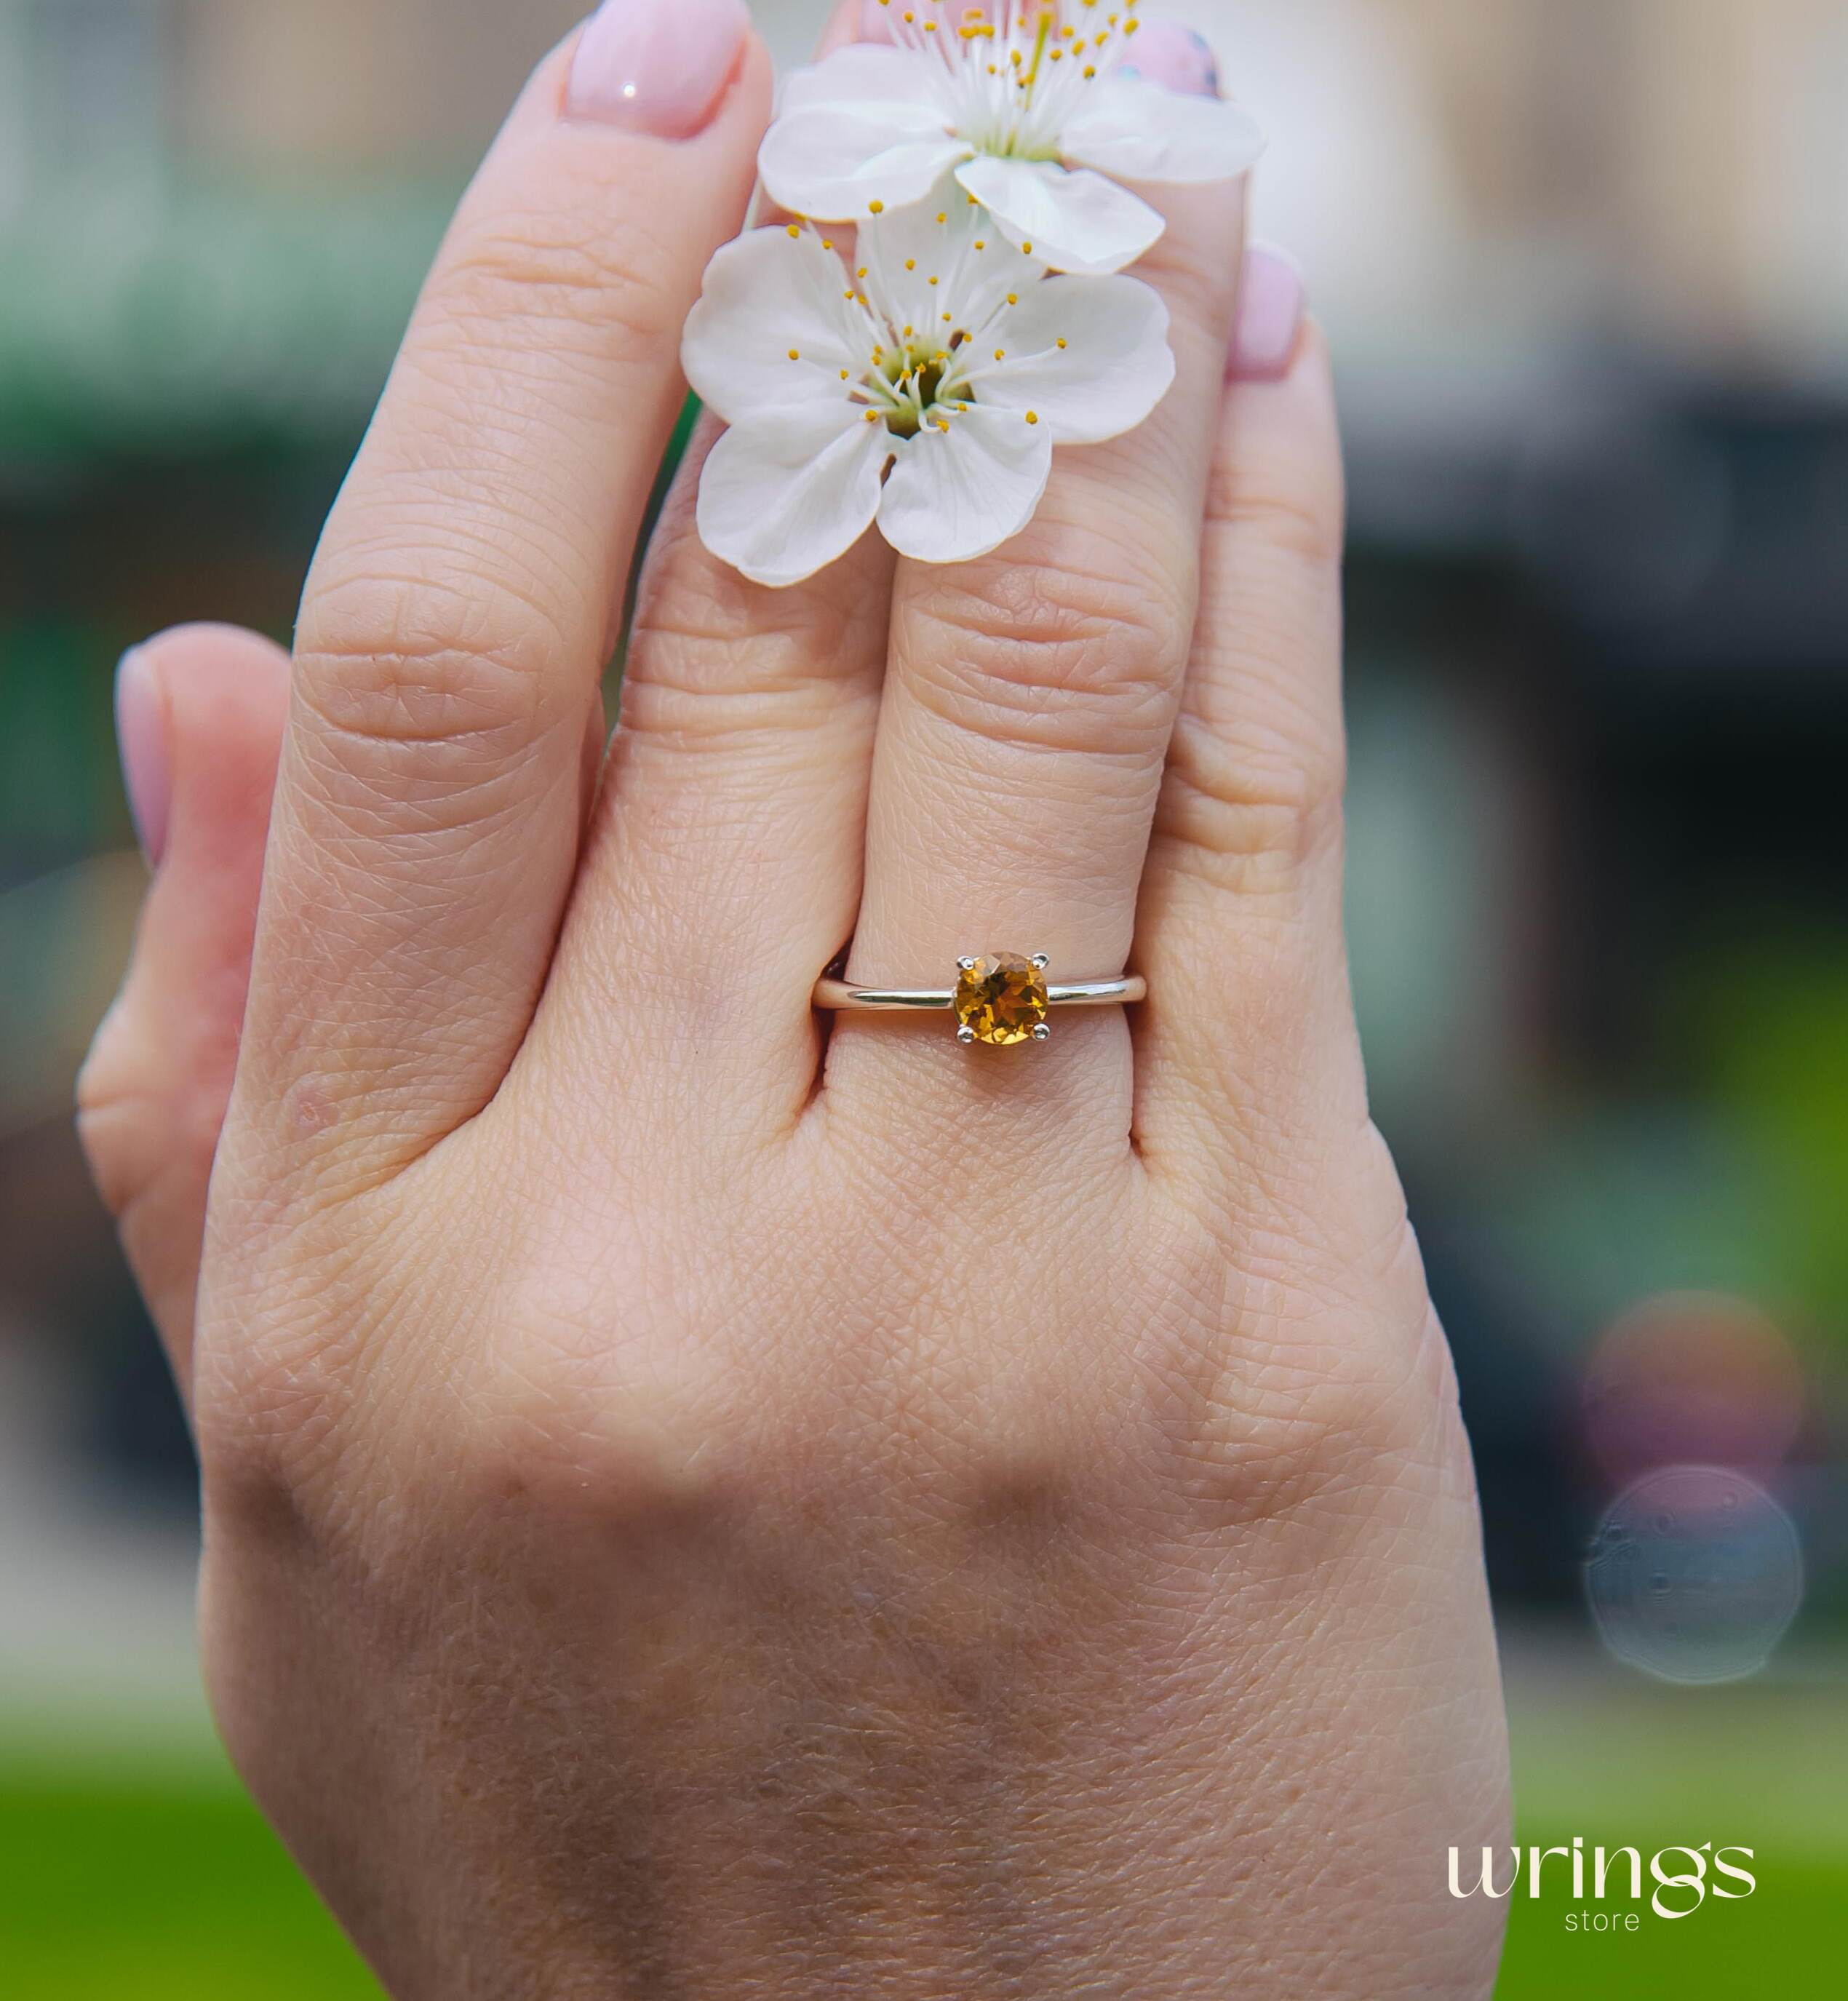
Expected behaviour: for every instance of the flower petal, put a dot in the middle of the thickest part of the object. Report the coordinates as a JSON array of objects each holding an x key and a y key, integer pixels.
[
  {"x": 924, "y": 271},
  {"x": 1135, "y": 129},
  {"x": 861, "y": 73},
  {"x": 1114, "y": 367},
  {"x": 1074, "y": 221},
  {"x": 955, "y": 495},
  {"x": 779, "y": 504},
  {"x": 836, "y": 161},
  {"x": 765, "y": 294}
]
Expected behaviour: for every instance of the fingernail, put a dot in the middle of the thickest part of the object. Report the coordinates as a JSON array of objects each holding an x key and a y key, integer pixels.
[
  {"x": 1270, "y": 316},
  {"x": 1175, "y": 57},
  {"x": 142, "y": 737},
  {"x": 656, "y": 66}
]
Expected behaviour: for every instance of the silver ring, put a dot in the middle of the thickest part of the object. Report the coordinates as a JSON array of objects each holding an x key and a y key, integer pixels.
[{"x": 1001, "y": 998}]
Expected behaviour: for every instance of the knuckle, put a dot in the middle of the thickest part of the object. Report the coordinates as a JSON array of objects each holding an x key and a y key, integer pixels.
[
  {"x": 453, "y": 676},
  {"x": 1298, "y": 1388},
  {"x": 633, "y": 1460},
  {"x": 135, "y": 1125},
  {"x": 1252, "y": 804},
  {"x": 711, "y": 655},
  {"x": 109, "y": 1130},
  {"x": 1295, "y": 501},
  {"x": 1079, "y": 645},
  {"x": 588, "y": 267}
]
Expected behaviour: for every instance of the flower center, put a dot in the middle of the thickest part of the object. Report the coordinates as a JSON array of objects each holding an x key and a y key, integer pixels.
[
  {"x": 916, "y": 384},
  {"x": 1011, "y": 77}
]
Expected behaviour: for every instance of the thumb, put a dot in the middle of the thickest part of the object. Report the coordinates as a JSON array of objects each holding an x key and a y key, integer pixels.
[{"x": 200, "y": 713}]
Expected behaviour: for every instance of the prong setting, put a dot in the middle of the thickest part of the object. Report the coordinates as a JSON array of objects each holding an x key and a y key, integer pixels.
[
  {"x": 1000, "y": 999},
  {"x": 1042, "y": 1033},
  {"x": 1041, "y": 960},
  {"x": 966, "y": 1037}
]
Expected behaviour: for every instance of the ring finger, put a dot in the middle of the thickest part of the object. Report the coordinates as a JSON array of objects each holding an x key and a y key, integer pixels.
[{"x": 1029, "y": 701}]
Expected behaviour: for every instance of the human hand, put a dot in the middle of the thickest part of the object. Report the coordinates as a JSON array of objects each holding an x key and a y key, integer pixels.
[{"x": 698, "y": 1504}]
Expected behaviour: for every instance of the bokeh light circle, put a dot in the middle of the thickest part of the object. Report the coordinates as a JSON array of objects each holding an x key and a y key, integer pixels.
[
  {"x": 1693, "y": 1379},
  {"x": 1695, "y": 1575}
]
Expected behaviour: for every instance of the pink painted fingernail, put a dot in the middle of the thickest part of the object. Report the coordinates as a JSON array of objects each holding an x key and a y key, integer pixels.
[
  {"x": 141, "y": 736},
  {"x": 656, "y": 66},
  {"x": 1175, "y": 57},
  {"x": 1270, "y": 316}
]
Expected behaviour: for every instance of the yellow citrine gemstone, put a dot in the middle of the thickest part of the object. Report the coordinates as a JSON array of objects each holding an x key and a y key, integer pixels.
[{"x": 1000, "y": 999}]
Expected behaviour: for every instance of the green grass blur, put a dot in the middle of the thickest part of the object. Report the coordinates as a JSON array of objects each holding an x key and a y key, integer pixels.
[{"x": 170, "y": 1887}]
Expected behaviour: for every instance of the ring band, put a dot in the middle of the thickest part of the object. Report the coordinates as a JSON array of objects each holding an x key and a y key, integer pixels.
[{"x": 1000, "y": 998}]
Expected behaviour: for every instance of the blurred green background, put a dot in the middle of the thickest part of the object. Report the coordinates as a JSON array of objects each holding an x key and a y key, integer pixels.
[{"x": 1585, "y": 265}]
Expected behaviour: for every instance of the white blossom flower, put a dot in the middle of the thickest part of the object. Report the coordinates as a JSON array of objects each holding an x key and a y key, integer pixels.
[
  {"x": 1037, "y": 110},
  {"x": 924, "y": 385}
]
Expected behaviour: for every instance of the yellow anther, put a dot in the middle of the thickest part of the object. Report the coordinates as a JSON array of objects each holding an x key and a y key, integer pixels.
[
  {"x": 796, "y": 354},
  {"x": 1014, "y": 298},
  {"x": 1026, "y": 249},
  {"x": 1061, "y": 342},
  {"x": 1032, "y": 416},
  {"x": 981, "y": 244},
  {"x": 1000, "y": 354},
  {"x": 794, "y": 230},
  {"x": 910, "y": 263},
  {"x": 877, "y": 208}
]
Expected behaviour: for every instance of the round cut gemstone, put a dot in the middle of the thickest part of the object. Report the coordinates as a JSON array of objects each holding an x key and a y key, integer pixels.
[{"x": 1001, "y": 998}]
